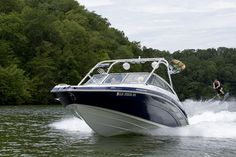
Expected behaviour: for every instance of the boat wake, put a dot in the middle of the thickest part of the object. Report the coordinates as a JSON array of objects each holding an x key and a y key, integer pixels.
[{"x": 205, "y": 120}]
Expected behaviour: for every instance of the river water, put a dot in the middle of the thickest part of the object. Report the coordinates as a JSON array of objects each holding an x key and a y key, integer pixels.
[{"x": 51, "y": 131}]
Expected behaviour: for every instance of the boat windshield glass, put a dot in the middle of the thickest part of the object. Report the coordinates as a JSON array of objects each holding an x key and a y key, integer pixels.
[
  {"x": 128, "y": 78},
  {"x": 157, "y": 81},
  {"x": 116, "y": 78},
  {"x": 136, "y": 78},
  {"x": 96, "y": 79}
]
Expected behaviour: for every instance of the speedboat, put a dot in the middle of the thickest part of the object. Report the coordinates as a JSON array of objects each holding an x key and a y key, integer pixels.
[{"x": 117, "y": 97}]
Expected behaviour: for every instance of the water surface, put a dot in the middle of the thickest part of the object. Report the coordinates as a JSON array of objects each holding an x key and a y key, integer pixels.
[{"x": 52, "y": 131}]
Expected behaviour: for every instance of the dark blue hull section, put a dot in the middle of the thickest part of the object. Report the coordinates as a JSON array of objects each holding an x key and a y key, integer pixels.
[{"x": 156, "y": 109}]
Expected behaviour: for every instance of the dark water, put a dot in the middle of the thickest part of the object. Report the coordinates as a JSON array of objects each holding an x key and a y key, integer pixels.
[{"x": 52, "y": 131}]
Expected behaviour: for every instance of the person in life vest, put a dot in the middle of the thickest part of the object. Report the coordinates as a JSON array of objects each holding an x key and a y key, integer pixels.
[{"x": 219, "y": 89}]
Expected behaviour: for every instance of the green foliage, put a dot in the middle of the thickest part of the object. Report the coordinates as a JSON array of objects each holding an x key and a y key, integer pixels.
[
  {"x": 7, "y": 6},
  {"x": 7, "y": 56},
  {"x": 14, "y": 86},
  {"x": 47, "y": 42}
]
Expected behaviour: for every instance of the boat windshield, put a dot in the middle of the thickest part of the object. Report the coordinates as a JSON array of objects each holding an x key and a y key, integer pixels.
[
  {"x": 156, "y": 80},
  {"x": 129, "y": 78},
  {"x": 126, "y": 78},
  {"x": 136, "y": 78},
  {"x": 96, "y": 79},
  {"x": 118, "y": 78}
]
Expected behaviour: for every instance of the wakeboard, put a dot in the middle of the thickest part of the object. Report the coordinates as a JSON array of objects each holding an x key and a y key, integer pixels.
[
  {"x": 212, "y": 99},
  {"x": 224, "y": 98}
]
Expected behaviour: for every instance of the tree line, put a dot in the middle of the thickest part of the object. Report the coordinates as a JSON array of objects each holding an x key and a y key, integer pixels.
[{"x": 47, "y": 42}]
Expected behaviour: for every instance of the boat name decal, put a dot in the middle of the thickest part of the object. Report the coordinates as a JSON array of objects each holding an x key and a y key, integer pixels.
[{"x": 125, "y": 94}]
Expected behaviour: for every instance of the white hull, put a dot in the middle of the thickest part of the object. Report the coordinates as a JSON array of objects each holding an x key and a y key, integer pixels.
[{"x": 109, "y": 123}]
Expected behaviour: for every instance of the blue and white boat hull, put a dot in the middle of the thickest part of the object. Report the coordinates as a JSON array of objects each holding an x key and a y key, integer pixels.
[{"x": 118, "y": 110}]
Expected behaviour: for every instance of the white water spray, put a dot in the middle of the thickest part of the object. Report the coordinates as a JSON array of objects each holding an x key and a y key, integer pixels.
[
  {"x": 205, "y": 120},
  {"x": 72, "y": 124}
]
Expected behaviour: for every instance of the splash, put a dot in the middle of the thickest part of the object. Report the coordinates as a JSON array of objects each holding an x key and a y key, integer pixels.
[
  {"x": 72, "y": 124},
  {"x": 199, "y": 107},
  {"x": 205, "y": 120}
]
